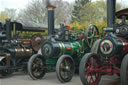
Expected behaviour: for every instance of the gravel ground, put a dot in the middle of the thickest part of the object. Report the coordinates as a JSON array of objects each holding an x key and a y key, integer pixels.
[{"x": 49, "y": 79}]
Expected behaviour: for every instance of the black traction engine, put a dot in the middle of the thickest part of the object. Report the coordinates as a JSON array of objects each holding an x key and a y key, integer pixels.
[
  {"x": 108, "y": 55},
  {"x": 14, "y": 51}
]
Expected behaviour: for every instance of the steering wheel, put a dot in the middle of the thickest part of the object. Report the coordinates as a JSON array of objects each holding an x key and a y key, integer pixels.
[{"x": 91, "y": 35}]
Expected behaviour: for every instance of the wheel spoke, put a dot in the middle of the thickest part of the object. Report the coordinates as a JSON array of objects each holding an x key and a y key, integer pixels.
[
  {"x": 37, "y": 67},
  {"x": 90, "y": 80},
  {"x": 87, "y": 74},
  {"x": 93, "y": 31},
  {"x": 92, "y": 34},
  {"x": 66, "y": 69},
  {"x": 90, "y": 37},
  {"x": 91, "y": 76}
]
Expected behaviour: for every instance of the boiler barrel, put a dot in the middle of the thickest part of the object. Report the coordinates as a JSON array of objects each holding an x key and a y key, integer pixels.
[
  {"x": 56, "y": 49},
  {"x": 23, "y": 52}
]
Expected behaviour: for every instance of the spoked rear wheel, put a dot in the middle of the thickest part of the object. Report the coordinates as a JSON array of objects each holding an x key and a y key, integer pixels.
[
  {"x": 65, "y": 68},
  {"x": 124, "y": 71},
  {"x": 36, "y": 68},
  {"x": 87, "y": 75}
]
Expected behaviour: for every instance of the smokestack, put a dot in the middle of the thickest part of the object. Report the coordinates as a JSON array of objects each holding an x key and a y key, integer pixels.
[
  {"x": 8, "y": 30},
  {"x": 111, "y": 8},
  {"x": 51, "y": 9}
]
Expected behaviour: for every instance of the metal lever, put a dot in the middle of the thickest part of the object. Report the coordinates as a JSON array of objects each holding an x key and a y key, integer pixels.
[{"x": 108, "y": 29}]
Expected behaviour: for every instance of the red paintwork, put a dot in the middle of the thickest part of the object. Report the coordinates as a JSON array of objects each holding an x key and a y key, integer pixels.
[
  {"x": 80, "y": 36},
  {"x": 68, "y": 27},
  {"x": 92, "y": 80},
  {"x": 107, "y": 67},
  {"x": 125, "y": 50},
  {"x": 111, "y": 46},
  {"x": 114, "y": 60},
  {"x": 7, "y": 59},
  {"x": 27, "y": 42},
  {"x": 68, "y": 48},
  {"x": 110, "y": 69}
]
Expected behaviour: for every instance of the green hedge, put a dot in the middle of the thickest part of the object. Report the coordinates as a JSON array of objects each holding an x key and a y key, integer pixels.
[
  {"x": 75, "y": 27},
  {"x": 30, "y": 34}
]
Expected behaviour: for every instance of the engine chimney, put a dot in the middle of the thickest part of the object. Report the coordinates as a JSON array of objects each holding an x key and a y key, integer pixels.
[
  {"x": 111, "y": 8},
  {"x": 50, "y": 18},
  {"x": 8, "y": 30}
]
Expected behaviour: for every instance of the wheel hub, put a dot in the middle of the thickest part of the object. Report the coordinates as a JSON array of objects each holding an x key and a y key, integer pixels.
[{"x": 67, "y": 68}]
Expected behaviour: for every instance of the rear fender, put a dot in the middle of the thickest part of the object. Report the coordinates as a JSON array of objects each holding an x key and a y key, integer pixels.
[
  {"x": 2, "y": 58},
  {"x": 95, "y": 46}
]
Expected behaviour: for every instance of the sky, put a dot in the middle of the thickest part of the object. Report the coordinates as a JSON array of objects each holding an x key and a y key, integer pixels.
[
  {"x": 20, "y": 4},
  {"x": 17, "y": 4}
]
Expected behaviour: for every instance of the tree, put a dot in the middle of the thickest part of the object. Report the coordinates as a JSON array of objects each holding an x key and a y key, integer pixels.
[
  {"x": 11, "y": 13},
  {"x": 94, "y": 12},
  {"x": 79, "y": 4},
  {"x": 8, "y": 13},
  {"x": 3, "y": 16},
  {"x": 63, "y": 12},
  {"x": 36, "y": 12}
]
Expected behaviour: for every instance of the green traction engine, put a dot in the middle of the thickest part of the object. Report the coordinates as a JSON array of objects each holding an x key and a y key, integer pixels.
[{"x": 62, "y": 51}]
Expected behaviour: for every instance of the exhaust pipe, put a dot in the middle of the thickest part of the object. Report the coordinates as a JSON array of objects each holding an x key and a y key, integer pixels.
[
  {"x": 111, "y": 9},
  {"x": 50, "y": 19},
  {"x": 8, "y": 30}
]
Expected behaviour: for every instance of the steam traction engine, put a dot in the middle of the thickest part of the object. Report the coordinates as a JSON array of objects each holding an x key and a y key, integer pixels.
[
  {"x": 62, "y": 51},
  {"x": 110, "y": 54},
  {"x": 15, "y": 52}
]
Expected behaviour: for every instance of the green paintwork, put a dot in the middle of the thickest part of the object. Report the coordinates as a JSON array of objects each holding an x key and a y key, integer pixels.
[{"x": 76, "y": 50}]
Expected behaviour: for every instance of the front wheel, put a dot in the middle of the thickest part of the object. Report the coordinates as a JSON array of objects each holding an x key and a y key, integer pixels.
[
  {"x": 124, "y": 71},
  {"x": 35, "y": 67},
  {"x": 65, "y": 68},
  {"x": 88, "y": 63},
  {"x": 7, "y": 71}
]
